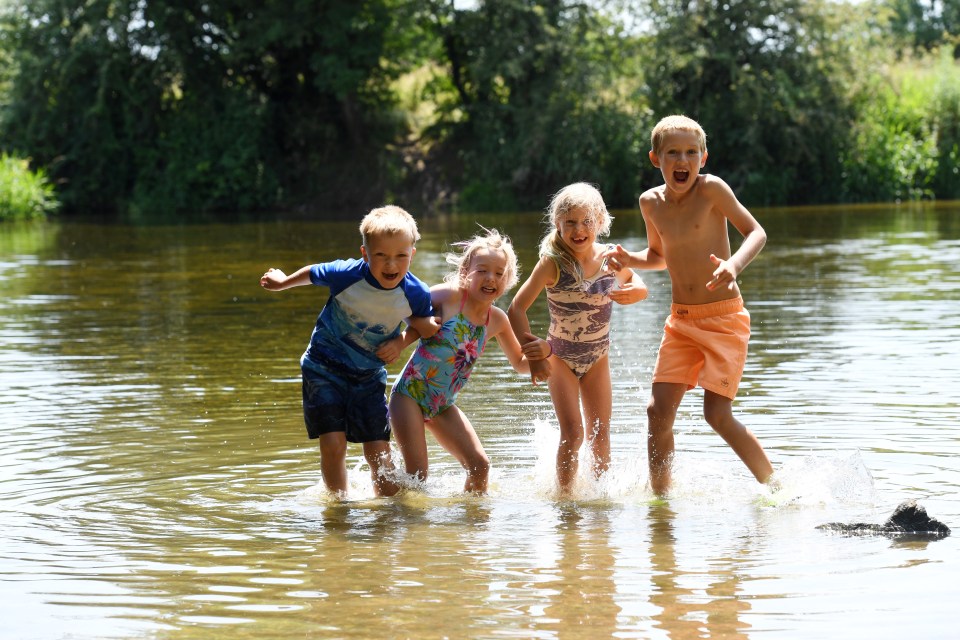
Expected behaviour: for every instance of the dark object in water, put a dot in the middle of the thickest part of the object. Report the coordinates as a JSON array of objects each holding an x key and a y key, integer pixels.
[{"x": 908, "y": 520}]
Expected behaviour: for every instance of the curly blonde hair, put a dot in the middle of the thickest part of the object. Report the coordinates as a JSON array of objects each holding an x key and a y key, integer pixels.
[{"x": 491, "y": 240}]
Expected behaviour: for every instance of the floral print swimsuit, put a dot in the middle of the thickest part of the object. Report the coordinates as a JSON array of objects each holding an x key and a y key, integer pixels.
[{"x": 441, "y": 365}]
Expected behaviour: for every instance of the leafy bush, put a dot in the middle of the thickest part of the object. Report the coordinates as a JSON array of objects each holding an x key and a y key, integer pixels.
[
  {"x": 905, "y": 142},
  {"x": 24, "y": 194}
]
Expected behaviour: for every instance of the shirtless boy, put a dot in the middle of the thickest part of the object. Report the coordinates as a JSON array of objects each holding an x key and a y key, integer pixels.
[{"x": 706, "y": 334}]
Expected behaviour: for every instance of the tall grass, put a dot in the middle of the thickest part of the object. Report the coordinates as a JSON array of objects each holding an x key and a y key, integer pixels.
[
  {"x": 905, "y": 142},
  {"x": 24, "y": 194}
]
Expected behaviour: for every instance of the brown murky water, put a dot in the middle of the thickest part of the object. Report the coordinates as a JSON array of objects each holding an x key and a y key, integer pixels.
[{"x": 156, "y": 480}]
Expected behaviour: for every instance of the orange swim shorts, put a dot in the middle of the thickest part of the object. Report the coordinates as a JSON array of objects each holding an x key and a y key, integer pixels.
[{"x": 705, "y": 344}]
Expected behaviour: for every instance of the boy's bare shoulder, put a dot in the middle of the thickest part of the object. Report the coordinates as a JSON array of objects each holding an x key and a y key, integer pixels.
[
  {"x": 712, "y": 183},
  {"x": 653, "y": 195}
]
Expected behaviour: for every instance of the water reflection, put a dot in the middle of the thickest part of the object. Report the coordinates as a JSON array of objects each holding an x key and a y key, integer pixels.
[
  {"x": 582, "y": 602},
  {"x": 156, "y": 480},
  {"x": 702, "y": 602}
]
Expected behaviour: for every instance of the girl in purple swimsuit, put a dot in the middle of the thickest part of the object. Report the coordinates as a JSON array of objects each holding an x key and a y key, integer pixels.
[
  {"x": 425, "y": 394},
  {"x": 580, "y": 292}
]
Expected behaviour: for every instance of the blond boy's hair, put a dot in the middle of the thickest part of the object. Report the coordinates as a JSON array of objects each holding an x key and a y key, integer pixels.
[
  {"x": 578, "y": 195},
  {"x": 491, "y": 240},
  {"x": 670, "y": 124},
  {"x": 390, "y": 220}
]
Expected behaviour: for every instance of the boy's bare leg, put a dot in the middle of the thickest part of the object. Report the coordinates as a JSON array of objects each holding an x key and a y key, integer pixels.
[
  {"x": 596, "y": 394},
  {"x": 565, "y": 393},
  {"x": 377, "y": 454},
  {"x": 665, "y": 398},
  {"x": 333, "y": 461},
  {"x": 718, "y": 411}
]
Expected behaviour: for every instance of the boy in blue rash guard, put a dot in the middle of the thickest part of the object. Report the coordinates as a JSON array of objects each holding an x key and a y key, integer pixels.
[{"x": 357, "y": 332}]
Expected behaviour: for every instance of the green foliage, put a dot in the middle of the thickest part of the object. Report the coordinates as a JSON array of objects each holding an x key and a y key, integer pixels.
[
  {"x": 538, "y": 105},
  {"x": 766, "y": 81},
  {"x": 180, "y": 107},
  {"x": 165, "y": 108},
  {"x": 906, "y": 136},
  {"x": 24, "y": 194}
]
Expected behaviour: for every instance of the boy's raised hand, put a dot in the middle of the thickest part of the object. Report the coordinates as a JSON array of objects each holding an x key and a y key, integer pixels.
[
  {"x": 273, "y": 279},
  {"x": 724, "y": 274},
  {"x": 616, "y": 258}
]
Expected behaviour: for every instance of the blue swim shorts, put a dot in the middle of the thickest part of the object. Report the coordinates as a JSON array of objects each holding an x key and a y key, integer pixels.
[{"x": 337, "y": 400}]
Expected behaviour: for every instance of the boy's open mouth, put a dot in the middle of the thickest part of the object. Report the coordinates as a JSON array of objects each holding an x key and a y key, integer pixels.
[
  {"x": 390, "y": 276},
  {"x": 681, "y": 176}
]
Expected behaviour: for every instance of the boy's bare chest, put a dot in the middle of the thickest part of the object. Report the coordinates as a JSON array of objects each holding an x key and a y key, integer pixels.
[{"x": 690, "y": 224}]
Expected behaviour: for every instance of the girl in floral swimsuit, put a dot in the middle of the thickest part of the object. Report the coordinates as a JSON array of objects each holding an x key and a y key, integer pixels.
[
  {"x": 580, "y": 292},
  {"x": 425, "y": 394}
]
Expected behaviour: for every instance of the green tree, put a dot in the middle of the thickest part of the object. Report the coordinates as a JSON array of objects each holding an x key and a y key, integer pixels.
[
  {"x": 766, "y": 80},
  {"x": 230, "y": 105},
  {"x": 547, "y": 101}
]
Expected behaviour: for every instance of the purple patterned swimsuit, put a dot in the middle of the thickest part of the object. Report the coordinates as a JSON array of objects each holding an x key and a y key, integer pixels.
[{"x": 580, "y": 318}]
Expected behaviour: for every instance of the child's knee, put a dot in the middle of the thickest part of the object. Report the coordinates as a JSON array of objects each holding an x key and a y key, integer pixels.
[
  {"x": 333, "y": 447},
  {"x": 718, "y": 414}
]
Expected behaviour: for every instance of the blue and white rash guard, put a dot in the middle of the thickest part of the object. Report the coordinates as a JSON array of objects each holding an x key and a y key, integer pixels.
[{"x": 360, "y": 314}]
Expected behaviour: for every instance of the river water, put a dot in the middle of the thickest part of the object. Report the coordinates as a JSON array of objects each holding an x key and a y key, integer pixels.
[{"x": 156, "y": 480}]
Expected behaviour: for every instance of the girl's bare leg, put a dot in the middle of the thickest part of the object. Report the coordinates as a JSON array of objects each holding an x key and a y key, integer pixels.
[
  {"x": 718, "y": 411},
  {"x": 565, "y": 393},
  {"x": 665, "y": 398},
  {"x": 454, "y": 432},
  {"x": 596, "y": 394}
]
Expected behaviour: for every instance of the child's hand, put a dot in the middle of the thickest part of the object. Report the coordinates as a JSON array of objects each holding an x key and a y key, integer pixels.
[
  {"x": 616, "y": 258},
  {"x": 273, "y": 279},
  {"x": 390, "y": 350},
  {"x": 426, "y": 326},
  {"x": 629, "y": 292},
  {"x": 724, "y": 274},
  {"x": 535, "y": 348},
  {"x": 539, "y": 370}
]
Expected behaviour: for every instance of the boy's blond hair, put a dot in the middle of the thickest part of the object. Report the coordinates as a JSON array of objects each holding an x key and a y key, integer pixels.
[
  {"x": 491, "y": 240},
  {"x": 578, "y": 195},
  {"x": 670, "y": 124},
  {"x": 390, "y": 220}
]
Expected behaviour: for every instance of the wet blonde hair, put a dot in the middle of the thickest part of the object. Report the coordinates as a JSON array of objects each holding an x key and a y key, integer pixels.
[
  {"x": 390, "y": 220},
  {"x": 491, "y": 240},
  {"x": 578, "y": 195},
  {"x": 670, "y": 124}
]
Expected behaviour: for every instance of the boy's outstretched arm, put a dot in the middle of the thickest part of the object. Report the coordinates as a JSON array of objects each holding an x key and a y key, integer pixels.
[
  {"x": 754, "y": 237},
  {"x": 276, "y": 280},
  {"x": 619, "y": 258}
]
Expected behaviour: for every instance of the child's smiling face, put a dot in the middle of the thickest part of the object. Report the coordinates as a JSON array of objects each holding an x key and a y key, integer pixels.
[
  {"x": 389, "y": 257},
  {"x": 486, "y": 277},
  {"x": 680, "y": 159},
  {"x": 578, "y": 229}
]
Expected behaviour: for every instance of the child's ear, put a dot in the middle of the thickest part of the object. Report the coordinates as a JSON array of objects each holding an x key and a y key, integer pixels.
[
  {"x": 703, "y": 160},
  {"x": 363, "y": 253},
  {"x": 654, "y": 158}
]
